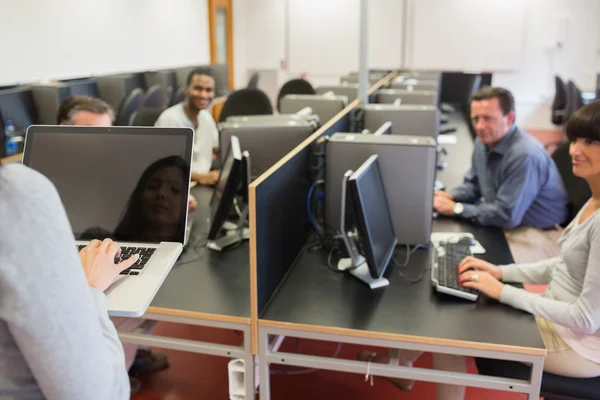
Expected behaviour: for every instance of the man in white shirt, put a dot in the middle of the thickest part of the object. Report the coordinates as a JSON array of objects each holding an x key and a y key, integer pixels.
[{"x": 193, "y": 113}]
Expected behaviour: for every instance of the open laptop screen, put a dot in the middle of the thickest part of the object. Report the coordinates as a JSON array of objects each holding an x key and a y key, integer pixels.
[{"x": 127, "y": 183}]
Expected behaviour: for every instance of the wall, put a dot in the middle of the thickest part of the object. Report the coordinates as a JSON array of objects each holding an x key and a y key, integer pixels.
[
  {"x": 329, "y": 34},
  {"x": 59, "y": 39}
]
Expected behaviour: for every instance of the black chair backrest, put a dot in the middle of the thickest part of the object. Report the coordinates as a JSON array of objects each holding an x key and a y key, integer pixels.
[
  {"x": 179, "y": 96},
  {"x": 246, "y": 102},
  {"x": 574, "y": 99},
  {"x": 560, "y": 102},
  {"x": 295, "y": 86},
  {"x": 577, "y": 188},
  {"x": 155, "y": 98},
  {"x": 253, "y": 82},
  {"x": 131, "y": 104},
  {"x": 145, "y": 116}
]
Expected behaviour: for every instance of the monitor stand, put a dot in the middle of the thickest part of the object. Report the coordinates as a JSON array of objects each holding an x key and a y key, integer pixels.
[
  {"x": 234, "y": 233},
  {"x": 362, "y": 273}
]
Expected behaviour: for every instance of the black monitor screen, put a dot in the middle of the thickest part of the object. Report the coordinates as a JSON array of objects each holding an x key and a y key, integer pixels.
[
  {"x": 129, "y": 184},
  {"x": 226, "y": 188},
  {"x": 372, "y": 215}
]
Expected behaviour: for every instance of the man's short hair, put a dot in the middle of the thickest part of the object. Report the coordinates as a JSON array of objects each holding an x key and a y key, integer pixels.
[
  {"x": 73, "y": 104},
  {"x": 198, "y": 71},
  {"x": 505, "y": 97}
]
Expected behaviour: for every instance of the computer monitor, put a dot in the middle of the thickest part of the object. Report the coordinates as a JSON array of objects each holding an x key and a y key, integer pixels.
[
  {"x": 375, "y": 236},
  {"x": 223, "y": 233}
]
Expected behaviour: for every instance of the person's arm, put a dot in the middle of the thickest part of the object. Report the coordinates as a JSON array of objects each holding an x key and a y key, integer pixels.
[
  {"x": 469, "y": 190},
  {"x": 581, "y": 315},
  {"x": 519, "y": 188},
  {"x": 59, "y": 323},
  {"x": 538, "y": 272}
]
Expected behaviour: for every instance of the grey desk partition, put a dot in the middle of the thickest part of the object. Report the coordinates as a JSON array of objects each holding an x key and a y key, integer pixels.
[
  {"x": 221, "y": 74},
  {"x": 412, "y": 97},
  {"x": 412, "y": 120},
  {"x": 350, "y": 90},
  {"x": 267, "y": 141},
  {"x": 324, "y": 106},
  {"x": 49, "y": 97},
  {"x": 416, "y": 84},
  {"x": 353, "y": 79},
  {"x": 422, "y": 74},
  {"x": 408, "y": 169}
]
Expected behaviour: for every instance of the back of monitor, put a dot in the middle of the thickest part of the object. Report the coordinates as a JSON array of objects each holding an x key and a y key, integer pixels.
[{"x": 412, "y": 120}]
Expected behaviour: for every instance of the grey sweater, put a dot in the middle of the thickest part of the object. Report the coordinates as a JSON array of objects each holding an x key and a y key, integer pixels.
[
  {"x": 56, "y": 339},
  {"x": 572, "y": 300}
]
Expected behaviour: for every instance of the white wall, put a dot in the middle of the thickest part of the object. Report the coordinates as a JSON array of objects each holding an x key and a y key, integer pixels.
[
  {"x": 324, "y": 30},
  {"x": 58, "y": 39}
]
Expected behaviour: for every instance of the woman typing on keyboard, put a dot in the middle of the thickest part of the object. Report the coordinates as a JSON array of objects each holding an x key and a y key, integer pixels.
[{"x": 568, "y": 313}]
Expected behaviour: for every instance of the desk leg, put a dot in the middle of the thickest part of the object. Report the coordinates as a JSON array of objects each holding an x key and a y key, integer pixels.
[
  {"x": 249, "y": 366},
  {"x": 264, "y": 367},
  {"x": 537, "y": 369}
]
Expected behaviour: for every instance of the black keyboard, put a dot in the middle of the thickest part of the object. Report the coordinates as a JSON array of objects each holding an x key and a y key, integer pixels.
[
  {"x": 445, "y": 270},
  {"x": 126, "y": 252}
]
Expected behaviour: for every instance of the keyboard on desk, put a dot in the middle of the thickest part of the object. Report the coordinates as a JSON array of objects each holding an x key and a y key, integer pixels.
[
  {"x": 126, "y": 252},
  {"x": 444, "y": 269}
]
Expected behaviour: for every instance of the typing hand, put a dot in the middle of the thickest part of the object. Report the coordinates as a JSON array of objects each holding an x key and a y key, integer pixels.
[
  {"x": 482, "y": 281},
  {"x": 443, "y": 205},
  {"x": 98, "y": 260},
  {"x": 472, "y": 263}
]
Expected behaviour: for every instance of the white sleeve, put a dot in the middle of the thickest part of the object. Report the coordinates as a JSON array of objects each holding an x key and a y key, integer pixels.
[{"x": 60, "y": 325}]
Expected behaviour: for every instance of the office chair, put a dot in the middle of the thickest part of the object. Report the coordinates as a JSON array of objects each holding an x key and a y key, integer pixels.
[
  {"x": 253, "y": 82},
  {"x": 179, "y": 96},
  {"x": 155, "y": 98},
  {"x": 559, "y": 104},
  {"x": 246, "y": 102},
  {"x": 574, "y": 99},
  {"x": 554, "y": 387},
  {"x": 130, "y": 105},
  {"x": 295, "y": 86},
  {"x": 145, "y": 116}
]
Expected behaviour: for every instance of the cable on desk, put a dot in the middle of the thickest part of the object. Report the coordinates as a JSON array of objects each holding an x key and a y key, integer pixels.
[
  {"x": 309, "y": 208},
  {"x": 409, "y": 253}
]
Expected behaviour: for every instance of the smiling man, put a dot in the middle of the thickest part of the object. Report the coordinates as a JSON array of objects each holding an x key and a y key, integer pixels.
[
  {"x": 193, "y": 113},
  {"x": 512, "y": 182}
]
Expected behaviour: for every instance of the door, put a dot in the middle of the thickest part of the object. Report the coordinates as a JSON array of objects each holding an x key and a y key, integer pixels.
[{"x": 220, "y": 23}]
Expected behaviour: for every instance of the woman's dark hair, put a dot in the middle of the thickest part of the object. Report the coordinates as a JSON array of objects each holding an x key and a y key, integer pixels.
[
  {"x": 585, "y": 122},
  {"x": 132, "y": 223}
]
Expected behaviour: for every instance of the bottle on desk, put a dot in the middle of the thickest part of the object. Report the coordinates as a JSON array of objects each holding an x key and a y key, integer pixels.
[{"x": 10, "y": 135}]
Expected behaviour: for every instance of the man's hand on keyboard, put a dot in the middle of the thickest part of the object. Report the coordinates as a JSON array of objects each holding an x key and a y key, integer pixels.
[
  {"x": 98, "y": 260},
  {"x": 482, "y": 281},
  {"x": 472, "y": 263}
]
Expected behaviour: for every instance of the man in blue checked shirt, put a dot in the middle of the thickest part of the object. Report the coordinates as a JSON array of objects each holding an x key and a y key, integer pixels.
[{"x": 512, "y": 184}]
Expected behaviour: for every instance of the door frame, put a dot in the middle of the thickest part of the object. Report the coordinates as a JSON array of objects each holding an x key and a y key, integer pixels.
[{"x": 213, "y": 5}]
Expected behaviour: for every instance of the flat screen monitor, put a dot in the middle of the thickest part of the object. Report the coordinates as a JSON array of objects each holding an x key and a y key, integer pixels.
[
  {"x": 226, "y": 189},
  {"x": 377, "y": 238}
]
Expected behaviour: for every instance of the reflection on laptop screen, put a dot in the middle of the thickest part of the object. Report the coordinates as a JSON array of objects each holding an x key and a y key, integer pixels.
[{"x": 129, "y": 184}]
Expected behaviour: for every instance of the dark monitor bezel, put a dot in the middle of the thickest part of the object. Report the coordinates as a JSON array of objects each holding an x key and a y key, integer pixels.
[
  {"x": 376, "y": 269},
  {"x": 230, "y": 191}
]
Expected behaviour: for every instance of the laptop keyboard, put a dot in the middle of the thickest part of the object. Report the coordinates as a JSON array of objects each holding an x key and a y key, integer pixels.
[{"x": 126, "y": 252}]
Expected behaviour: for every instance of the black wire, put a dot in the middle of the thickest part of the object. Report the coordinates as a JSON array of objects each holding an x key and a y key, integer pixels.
[
  {"x": 333, "y": 249},
  {"x": 409, "y": 253}
]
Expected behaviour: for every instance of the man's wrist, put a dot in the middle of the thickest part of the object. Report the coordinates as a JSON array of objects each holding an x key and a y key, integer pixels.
[{"x": 458, "y": 208}]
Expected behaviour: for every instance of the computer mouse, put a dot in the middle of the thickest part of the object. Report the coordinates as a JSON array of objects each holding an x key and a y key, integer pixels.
[{"x": 467, "y": 241}]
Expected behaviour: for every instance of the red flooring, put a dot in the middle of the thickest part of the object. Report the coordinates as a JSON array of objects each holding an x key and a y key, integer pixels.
[{"x": 197, "y": 376}]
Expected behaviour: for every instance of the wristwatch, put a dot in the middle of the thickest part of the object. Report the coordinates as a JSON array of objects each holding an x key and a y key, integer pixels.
[{"x": 458, "y": 208}]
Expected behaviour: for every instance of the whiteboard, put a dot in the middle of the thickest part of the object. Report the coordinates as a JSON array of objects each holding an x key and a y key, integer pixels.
[
  {"x": 466, "y": 35},
  {"x": 324, "y": 35}
]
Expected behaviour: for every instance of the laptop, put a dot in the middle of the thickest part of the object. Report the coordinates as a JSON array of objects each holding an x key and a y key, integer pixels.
[{"x": 130, "y": 184}]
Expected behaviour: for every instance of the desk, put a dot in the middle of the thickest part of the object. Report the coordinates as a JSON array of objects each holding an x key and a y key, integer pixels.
[
  {"x": 314, "y": 302},
  {"x": 205, "y": 288}
]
